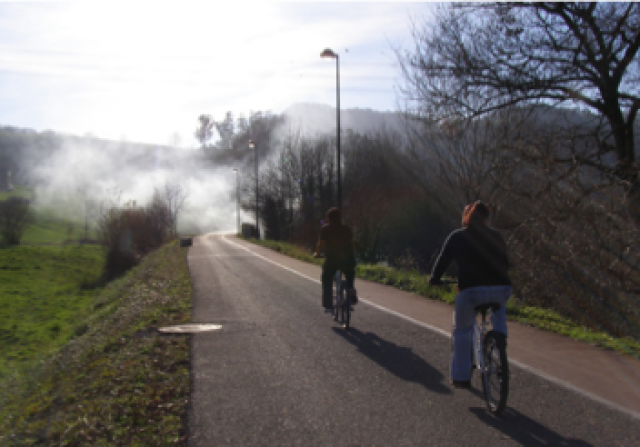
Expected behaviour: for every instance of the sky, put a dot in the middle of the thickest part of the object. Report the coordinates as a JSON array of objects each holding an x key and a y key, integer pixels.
[{"x": 144, "y": 71}]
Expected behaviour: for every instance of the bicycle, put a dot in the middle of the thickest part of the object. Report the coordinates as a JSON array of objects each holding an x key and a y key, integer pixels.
[
  {"x": 489, "y": 353},
  {"x": 341, "y": 300}
]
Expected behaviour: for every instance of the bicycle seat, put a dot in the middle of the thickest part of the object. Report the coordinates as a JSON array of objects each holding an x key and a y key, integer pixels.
[{"x": 484, "y": 307}]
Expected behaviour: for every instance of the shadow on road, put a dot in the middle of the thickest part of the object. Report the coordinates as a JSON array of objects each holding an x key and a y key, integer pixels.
[
  {"x": 398, "y": 360},
  {"x": 524, "y": 430}
]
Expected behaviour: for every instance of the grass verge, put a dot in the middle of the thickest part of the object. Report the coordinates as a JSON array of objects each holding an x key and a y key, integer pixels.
[
  {"x": 117, "y": 381},
  {"x": 44, "y": 291},
  {"x": 418, "y": 283},
  {"x": 47, "y": 229},
  {"x": 22, "y": 192}
]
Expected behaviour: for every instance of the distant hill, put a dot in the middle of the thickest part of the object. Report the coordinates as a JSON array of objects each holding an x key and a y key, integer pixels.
[
  {"x": 314, "y": 119},
  {"x": 27, "y": 154},
  {"x": 317, "y": 119}
]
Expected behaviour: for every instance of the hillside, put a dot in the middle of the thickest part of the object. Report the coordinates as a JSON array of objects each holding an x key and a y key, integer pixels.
[
  {"x": 312, "y": 119},
  {"x": 73, "y": 177},
  {"x": 24, "y": 152}
]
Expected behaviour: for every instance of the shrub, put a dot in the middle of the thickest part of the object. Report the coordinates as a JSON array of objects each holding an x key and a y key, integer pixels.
[
  {"x": 249, "y": 231},
  {"x": 128, "y": 233},
  {"x": 15, "y": 215}
]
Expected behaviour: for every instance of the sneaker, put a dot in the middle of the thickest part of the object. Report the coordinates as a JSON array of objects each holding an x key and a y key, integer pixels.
[
  {"x": 328, "y": 310},
  {"x": 461, "y": 384},
  {"x": 353, "y": 294}
]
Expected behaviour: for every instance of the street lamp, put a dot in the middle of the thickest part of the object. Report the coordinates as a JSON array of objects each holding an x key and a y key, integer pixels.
[
  {"x": 253, "y": 146},
  {"x": 237, "y": 202},
  {"x": 330, "y": 54}
]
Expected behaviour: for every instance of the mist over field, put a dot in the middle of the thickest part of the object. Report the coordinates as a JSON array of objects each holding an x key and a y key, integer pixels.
[
  {"x": 78, "y": 177},
  {"x": 96, "y": 173}
]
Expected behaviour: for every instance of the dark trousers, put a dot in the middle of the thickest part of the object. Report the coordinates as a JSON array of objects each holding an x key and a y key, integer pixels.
[{"x": 329, "y": 269}]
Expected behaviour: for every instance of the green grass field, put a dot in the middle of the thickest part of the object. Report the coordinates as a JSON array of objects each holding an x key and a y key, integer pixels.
[
  {"x": 118, "y": 381},
  {"x": 44, "y": 292},
  {"x": 70, "y": 348},
  {"x": 19, "y": 191},
  {"x": 47, "y": 229},
  {"x": 45, "y": 288}
]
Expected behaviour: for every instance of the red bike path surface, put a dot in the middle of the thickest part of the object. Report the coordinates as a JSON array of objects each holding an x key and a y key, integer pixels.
[{"x": 605, "y": 376}]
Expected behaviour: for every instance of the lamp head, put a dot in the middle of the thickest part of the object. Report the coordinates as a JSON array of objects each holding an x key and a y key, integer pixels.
[
  {"x": 251, "y": 145},
  {"x": 329, "y": 53}
]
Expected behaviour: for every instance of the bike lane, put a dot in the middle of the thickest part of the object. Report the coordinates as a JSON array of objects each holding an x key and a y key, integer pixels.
[{"x": 602, "y": 375}]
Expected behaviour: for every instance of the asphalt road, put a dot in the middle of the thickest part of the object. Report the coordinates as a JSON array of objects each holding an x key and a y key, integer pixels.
[{"x": 281, "y": 372}]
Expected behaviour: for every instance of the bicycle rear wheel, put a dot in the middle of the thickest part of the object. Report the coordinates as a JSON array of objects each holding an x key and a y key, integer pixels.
[
  {"x": 336, "y": 305},
  {"x": 346, "y": 309},
  {"x": 496, "y": 372}
]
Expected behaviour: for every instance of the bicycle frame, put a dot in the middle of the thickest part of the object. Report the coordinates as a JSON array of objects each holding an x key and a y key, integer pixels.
[
  {"x": 342, "y": 306},
  {"x": 486, "y": 364},
  {"x": 479, "y": 332},
  {"x": 338, "y": 280}
]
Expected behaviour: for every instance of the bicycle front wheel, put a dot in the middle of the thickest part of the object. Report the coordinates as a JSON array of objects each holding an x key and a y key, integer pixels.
[{"x": 496, "y": 372}]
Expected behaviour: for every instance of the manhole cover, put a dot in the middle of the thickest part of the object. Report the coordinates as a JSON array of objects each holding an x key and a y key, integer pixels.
[{"x": 189, "y": 328}]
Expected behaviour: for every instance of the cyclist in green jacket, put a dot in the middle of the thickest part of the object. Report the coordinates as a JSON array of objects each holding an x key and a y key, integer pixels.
[{"x": 336, "y": 241}]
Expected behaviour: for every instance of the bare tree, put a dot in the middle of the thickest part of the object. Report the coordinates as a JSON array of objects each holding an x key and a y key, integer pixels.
[
  {"x": 175, "y": 196},
  {"x": 91, "y": 205},
  {"x": 204, "y": 132},
  {"x": 481, "y": 57},
  {"x": 226, "y": 130},
  {"x": 573, "y": 244}
]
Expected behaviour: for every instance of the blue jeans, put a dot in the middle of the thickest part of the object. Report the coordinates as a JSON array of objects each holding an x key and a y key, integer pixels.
[{"x": 463, "y": 318}]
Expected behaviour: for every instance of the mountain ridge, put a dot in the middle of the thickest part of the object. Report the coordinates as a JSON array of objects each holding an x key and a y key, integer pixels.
[{"x": 315, "y": 118}]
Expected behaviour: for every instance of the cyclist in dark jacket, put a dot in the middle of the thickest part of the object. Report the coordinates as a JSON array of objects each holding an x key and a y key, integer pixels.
[
  {"x": 481, "y": 256},
  {"x": 336, "y": 241}
]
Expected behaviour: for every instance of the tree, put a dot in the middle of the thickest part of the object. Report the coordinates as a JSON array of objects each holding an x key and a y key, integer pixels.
[
  {"x": 174, "y": 196},
  {"x": 481, "y": 57},
  {"x": 388, "y": 211},
  {"x": 273, "y": 216},
  {"x": 91, "y": 205},
  {"x": 15, "y": 215},
  {"x": 226, "y": 130},
  {"x": 572, "y": 245},
  {"x": 159, "y": 221},
  {"x": 204, "y": 132}
]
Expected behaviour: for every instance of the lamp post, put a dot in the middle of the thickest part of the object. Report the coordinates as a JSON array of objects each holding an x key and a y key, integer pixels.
[
  {"x": 253, "y": 146},
  {"x": 330, "y": 54},
  {"x": 237, "y": 202}
]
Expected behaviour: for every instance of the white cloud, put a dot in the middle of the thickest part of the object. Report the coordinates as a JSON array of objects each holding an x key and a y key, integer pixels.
[{"x": 146, "y": 70}]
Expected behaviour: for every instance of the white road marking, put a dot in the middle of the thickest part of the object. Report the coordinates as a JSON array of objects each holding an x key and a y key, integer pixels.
[
  {"x": 521, "y": 365},
  {"x": 273, "y": 262},
  {"x": 218, "y": 256}
]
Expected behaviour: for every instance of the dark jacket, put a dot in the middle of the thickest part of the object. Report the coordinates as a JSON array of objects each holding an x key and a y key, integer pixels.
[
  {"x": 338, "y": 241},
  {"x": 481, "y": 255}
]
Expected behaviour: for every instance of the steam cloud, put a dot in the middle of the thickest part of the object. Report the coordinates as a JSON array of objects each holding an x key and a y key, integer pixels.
[
  {"x": 100, "y": 172},
  {"x": 96, "y": 172}
]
